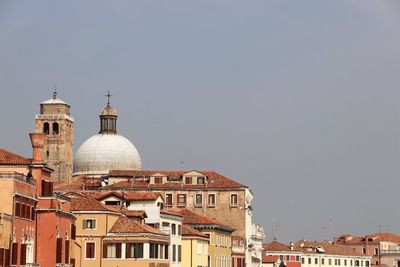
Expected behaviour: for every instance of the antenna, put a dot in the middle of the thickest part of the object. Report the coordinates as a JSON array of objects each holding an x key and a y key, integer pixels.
[{"x": 55, "y": 93}]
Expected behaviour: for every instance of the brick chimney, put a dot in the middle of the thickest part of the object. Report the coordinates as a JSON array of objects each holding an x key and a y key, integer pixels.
[{"x": 37, "y": 141}]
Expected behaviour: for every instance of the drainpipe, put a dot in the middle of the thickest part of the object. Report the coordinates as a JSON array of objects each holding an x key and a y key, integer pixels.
[{"x": 191, "y": 252}]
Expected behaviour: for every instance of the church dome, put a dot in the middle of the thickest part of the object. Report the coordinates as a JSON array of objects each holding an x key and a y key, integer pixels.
[{"x": 104, "y": 152}]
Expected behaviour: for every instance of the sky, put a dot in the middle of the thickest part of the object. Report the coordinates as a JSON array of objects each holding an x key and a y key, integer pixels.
[{"x": 299, "y": 100}]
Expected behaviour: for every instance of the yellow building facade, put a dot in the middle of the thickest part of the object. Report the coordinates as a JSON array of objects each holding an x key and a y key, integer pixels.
[
  {"x": 194, "y": 248},
  {"x": 107, "y": 238}
]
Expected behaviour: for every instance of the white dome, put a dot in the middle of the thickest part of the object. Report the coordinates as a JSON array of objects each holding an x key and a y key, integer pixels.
[{"x": 104, "y": 152}]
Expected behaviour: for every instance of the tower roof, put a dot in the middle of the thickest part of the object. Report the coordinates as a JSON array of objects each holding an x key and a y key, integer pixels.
[{"x": 54, "y": 100}]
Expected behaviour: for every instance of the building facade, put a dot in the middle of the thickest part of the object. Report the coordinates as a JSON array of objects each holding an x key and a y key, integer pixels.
[{"x": 384, "y": 248}]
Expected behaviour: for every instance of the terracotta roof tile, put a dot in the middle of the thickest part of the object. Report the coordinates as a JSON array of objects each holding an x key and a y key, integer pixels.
[
  {"x": 126, "y": 225},
  {"x": 193, "y": 218},
  {"x": 328, "y": 248},
  {"x": 77, "y": 183},
  {"x": 270, "y": 259},
  {"x": 189, "y": 231},
  {"x": 275, "y": 246},
  {"x": 372, "y": 238},
  {"x": 87, "y": 204},
  {"x": 10, "y": 158},
  {"x": 214, "y": 180}
]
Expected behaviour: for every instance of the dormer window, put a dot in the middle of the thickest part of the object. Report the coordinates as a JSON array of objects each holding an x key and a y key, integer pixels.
[
  {"x": 158, "y": 180},
  {"x": 188, "y": 180},
  {"x": 200, "y": 180}
]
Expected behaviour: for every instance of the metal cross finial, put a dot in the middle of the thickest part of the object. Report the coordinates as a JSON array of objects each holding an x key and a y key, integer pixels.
[{"x": 108, "y": 95}]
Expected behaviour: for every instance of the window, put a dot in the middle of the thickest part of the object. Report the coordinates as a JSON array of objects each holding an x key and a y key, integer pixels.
[
  {"x": 33, "y": 213},
  {"x": 55, "y": 128},
  {"x": 158, "y": 180},
  {"x": 174, "y": 253},
  {"x": 179, "y": 229},
  {"x": 323, "y": 261},
  {"x": 17, "y": 209},
  {"x": 338, "y": 261},
  {"x": 73, "y": 231},
  {"x": 330, "y": 261},
  {"x": 58, "y": 250},
  {"x": 173, "y": 228},
  {"x": 67, "y": 251},
  {"x": 112, "y": 250},
  {"x": 364, "y": 251},
  {"x": 47, "y": 188},
  {"x": 134, "y": 250},
  {"x": 316, "y": 261},
  {"x": 234, "y": 200},
  {"x": 46, "y": 128},
  {"x": 89, "y": 224},
  {"x": 287, "y": 257},
  {"x": 181, "y": 200},
  {"x": 188, "y": 180},
  {"x": 90, "y": 249},
  {"x": 179, "y": 253},
  {"x": 211, "y": 200},
  {"x": 22, "y": 260},
  {"x": 309, "y": 260},
  {"x": 199, "y": 200},
  {"x": 345, "y": 262},
  {"x": 376, "y": 251},
  {"x": 168, "y": 199},
  {"x": 356, "y": 263},
  {"x": 113, "y": 203},
  {"x": 166, "y": 251},
  {"x": 14, "y": 254},
  {"x": 302, "y": 261},
  {"x": 367, "y": 263},
  {"x": 200, "y": 180},
  {"x": 153, "y": 251},
  {"x": 297, "y": 258}
]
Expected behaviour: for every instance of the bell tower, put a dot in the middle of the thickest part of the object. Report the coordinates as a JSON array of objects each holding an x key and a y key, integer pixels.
[{"x": 56, "y": 122}]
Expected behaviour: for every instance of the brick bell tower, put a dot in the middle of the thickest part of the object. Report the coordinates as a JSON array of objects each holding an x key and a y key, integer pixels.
[{"x": 56, "y": 122}]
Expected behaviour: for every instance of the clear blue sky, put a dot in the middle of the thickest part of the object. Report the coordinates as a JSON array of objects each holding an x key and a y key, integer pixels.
[{"x": 297, "y": 99}]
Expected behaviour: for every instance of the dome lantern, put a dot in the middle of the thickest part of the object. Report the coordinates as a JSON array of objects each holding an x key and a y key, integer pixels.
[{"x": 108, "y": 119}]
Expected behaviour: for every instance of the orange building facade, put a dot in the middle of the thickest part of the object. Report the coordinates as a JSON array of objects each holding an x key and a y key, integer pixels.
[{"x": 36, "y": 225}]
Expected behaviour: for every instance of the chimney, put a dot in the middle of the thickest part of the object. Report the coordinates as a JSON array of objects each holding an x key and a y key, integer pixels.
[
  {"x": 291, "y": 246},
  {"x": 37, "y": 141}
]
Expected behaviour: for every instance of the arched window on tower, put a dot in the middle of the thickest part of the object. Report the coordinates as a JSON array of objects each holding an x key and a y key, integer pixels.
[
  {"x": 55, "y": 128},
  {"x": 46, "y": 128}
]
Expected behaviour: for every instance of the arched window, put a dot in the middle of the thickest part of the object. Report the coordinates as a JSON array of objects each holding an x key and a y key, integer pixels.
[
  {"x": 46, "y": 128},
  {"x": 55, "y": 128}
]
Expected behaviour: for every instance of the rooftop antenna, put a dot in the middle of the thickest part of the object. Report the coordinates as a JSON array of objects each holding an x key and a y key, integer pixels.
[
  {"x": 380, "y": 228},
  {"x": 182, "y": 164},
  {"x": 274, "y": 226},
  {"x": 108, "y": 95}
]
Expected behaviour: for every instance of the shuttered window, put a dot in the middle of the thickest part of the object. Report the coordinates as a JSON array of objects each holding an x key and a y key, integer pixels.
[
  {"x": 22, "y": 260},
  {"x": 90, "y": 247},
  {"x": 14, "y": 254},
  {"x": 66, "y": 251},
  {"x": 33, "y": 213},
  {"x": 17, "y": 209},
  {"x": 59, "y": 250},
  {"x": 1, "y": 256},
  {"x": 73, "y": 231}
]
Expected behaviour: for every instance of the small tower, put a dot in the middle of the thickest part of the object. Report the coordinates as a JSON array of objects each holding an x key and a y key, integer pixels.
[{"x": 56, "y": 122}]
